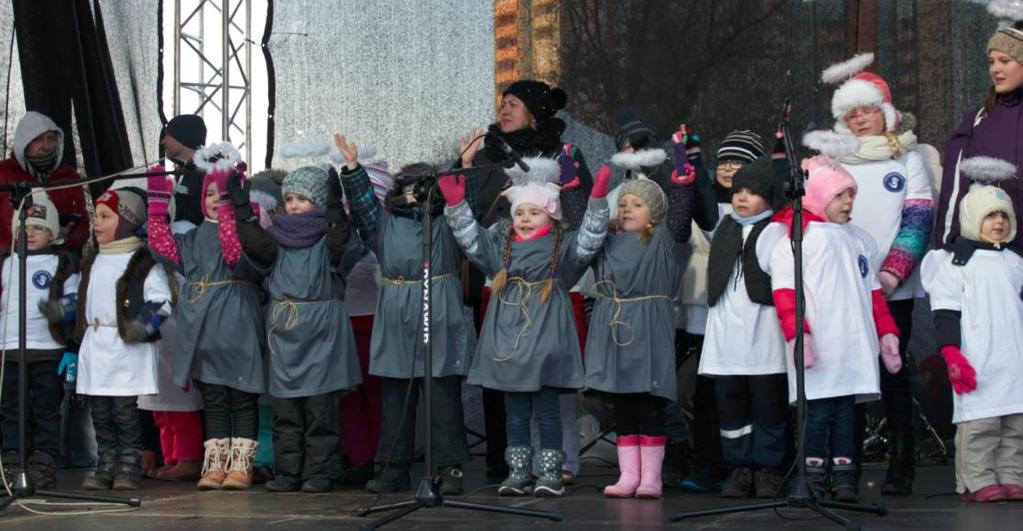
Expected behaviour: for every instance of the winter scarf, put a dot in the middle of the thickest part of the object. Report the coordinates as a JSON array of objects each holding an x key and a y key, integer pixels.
[
  {"x": 297, "y": 231},
  {"x": 545, "y": 139},
  {"x": 124, "y": 245},
  {"x": 880, "y": 147},
  {"x": 752, "y": 220}
]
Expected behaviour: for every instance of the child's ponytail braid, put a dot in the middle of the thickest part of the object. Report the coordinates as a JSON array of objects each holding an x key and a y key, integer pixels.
[
  {"x": 548, "y": 285},
  {"x": 501, "y": 278}
]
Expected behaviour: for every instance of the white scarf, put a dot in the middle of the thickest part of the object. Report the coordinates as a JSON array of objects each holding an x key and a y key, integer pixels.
[
  {"x": 124, "y": 245},
  {"x": 878, "y": 147}
]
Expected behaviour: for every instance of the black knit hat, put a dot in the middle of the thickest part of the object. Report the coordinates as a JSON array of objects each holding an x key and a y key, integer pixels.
[
  {"x": 741, "y": 145},
  {"x": 541, "y": 100},
  {"x": 758, "y": 177},
  {"x": 188, "y": 129},
  {"x": 633, "y": 128}
]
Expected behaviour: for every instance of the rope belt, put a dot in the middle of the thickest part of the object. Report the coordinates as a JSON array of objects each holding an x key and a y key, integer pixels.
[
  {"x": 204, "y": 284},
  {"x": 521, "y": 304},
  {"x": 96, "y": 324},
  {"x": 401, "y": 281},
  {"x": 618, "y": 301},
  {"x": 290, "y": 306}
]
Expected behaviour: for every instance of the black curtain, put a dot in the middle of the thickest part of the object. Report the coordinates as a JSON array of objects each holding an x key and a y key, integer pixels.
[{"x": 65, "y": 68}]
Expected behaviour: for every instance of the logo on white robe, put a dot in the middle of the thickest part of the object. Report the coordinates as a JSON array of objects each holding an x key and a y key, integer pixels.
[
  {"x": 864, "y": 266},
  {"x": 894, "y": 182},
  {"x": 42, "y": 279}
]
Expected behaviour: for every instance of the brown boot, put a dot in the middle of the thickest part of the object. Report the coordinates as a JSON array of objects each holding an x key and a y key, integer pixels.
[
  {"x": 157, "y": 473},
  {"x": 239, "y": 475},
  {"x": 182, "y": 471},
  {"x": 214, "y": 466}
]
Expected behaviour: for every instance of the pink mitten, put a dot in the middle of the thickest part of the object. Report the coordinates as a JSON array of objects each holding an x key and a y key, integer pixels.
[
  {"x": 600, "y": 183},
  {"x": 160, "y": 190},
  {"x": 960, "y": 373},
  {"x": 452, "y": 187},
  {"x": 890, "y": 353},
  {"x": 220, "y": 177},
  {"x": 687, "y": 176},
  {"x": 809, "y": 350}
]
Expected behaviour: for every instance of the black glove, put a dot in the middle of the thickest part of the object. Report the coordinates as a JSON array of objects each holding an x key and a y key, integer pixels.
[
  {"x": 335, "y": 210},
  {"x": 239, "y": 195}
]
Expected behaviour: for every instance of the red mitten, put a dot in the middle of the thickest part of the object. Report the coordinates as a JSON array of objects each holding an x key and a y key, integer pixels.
[
  {"x": 960, "y": 372},
  {"x": 569, "y": 168},
  {"x": 890, "y": 353},
  {"x": 600, "y": 183},
  {"x": 220, "y": 179},
  {"x": 809, "y": 350},
  {"x": 160, "y": 190},
  {"x": 452, "y": 187}
]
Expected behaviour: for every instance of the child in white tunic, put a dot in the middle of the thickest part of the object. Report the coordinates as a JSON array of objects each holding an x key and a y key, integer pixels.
[
  {"x": 122, "y": 300},
  {"x": 743, "y": 349},
  {"x": 975, "y": 291},
  {"x": 52, "y": 281},
  {"x": 846, "y": 323}
]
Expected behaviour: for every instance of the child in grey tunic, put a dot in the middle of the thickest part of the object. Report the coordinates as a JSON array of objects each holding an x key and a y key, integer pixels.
[
  {"x": 221, "y": 293},
  {"x": 396, "y": 353},
  {"x": 630, "y": 345},
  {"x": 312, "y": 348},
  {"x": 527, "y": 346}
]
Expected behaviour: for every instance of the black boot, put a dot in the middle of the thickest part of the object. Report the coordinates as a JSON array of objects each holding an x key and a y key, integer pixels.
[
  {"x": 128, "y": 475},
  {"x": 42, "y": 467},
  {"x": 451, "y": 480},
  {"x": 898, "y": 480},
  {"x": 817, "y": 480},
  {"x": 845, "y": 485},
  {"x": 103, "y": 477},
  {"x": 394, "y": 479},
  {"x": 740, "y": 483},
  {"x": 676, "y": 464},
  {"x": 283, "y": 484}
]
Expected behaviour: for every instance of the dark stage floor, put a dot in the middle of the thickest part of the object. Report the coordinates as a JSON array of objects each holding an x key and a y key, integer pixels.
[{"x": 180, "y": 506}]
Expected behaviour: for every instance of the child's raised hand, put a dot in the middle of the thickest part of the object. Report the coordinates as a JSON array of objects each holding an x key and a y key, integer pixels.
[
  {"x": 569, "y": 168},
  {"x": 220, "y": 178},
  {"x": 600, "y": 182},
  {"x": 960, "y": 373},
  {"x": 160, "y": 189},
  {"x": 452, "y": 187},
  {"x": 686, "y": 175},
  {"x": 890, "y": 353},
  {"x": 349, "y": 150}
]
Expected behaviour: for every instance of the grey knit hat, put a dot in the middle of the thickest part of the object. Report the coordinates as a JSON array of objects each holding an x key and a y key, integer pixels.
[
  {"x": 309, "y": 182},
  {"x": 651, "y": 194}
]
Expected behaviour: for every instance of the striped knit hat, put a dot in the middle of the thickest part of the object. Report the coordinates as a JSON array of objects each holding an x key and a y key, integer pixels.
[{"x": 741, "y": 145}]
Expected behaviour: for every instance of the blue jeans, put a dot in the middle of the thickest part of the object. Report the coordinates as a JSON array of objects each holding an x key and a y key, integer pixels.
[
  {"x": 830, "y": 425},
  {"x": 519, "y": 407}
]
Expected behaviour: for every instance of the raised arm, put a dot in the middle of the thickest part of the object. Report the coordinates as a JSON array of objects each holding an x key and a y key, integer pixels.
[
  {"x": 162, "y": 244},
  {"x": 255, "y": 242},
  {"x": 680, "y": 203},
  {"x": 364, "y": 209}
]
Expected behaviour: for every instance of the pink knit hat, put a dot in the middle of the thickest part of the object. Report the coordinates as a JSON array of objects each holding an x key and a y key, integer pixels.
[{"x": 827, "y": 179}]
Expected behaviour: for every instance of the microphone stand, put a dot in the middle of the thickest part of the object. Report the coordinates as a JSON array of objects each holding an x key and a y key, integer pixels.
[
  {"x": 23, "y": 487},
  {"x": 428, "y": 493},
  {"x": 801, "y": 496}
]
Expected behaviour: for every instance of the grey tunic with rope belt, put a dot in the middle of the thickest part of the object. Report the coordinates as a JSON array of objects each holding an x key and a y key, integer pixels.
[
  {"x": 397, "y": 242},
  {"x": 524, "y": 343},
  {"x": 220, "y": 337},
  {"x": 312, "y": 347},
  {"x": 630, "y": 346}
]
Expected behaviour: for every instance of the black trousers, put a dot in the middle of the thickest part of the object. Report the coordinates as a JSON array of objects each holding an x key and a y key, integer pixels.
[
  {"x": 449, "y": 444},
  {"x": 229, "y": 412},
  {"x": 117, "y": 423},
  {"x": 307, "y": 436},
  {"x": 896, "y": 397},
  {"x": 638, "y": 413},
  {"x": 754, "y": 413},
  {"x": 708, "y": 459},
  {"x": 45, "y": 393}
]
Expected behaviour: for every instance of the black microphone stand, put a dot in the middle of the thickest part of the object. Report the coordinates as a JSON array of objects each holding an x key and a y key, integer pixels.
[
  {"x": 801, "y": 496},
  {"x": 428, "y": 493},
  {"x": 23, "y": 487}
]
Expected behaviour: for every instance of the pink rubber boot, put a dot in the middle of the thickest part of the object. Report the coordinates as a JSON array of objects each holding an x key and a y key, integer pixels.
[
  {"x": 628, "y": 463},
  {"x": 651, "y": 451}
]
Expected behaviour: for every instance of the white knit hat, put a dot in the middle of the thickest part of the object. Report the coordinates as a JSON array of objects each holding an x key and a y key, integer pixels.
[
  {"x": 42, "y": 213},
  {"x": 983, "y": 197},
  {"x": 539, "y": 186},
  {"x": 859, "y": 89}
]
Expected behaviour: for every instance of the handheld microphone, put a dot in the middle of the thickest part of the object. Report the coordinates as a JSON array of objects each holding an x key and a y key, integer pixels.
[{"x": 509, "y": 152}]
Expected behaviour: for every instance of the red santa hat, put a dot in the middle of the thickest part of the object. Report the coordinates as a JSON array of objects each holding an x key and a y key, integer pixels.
[{"x": 859, "y": 89}]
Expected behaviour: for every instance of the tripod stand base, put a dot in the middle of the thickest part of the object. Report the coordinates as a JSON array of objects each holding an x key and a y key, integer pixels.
[
  {"x": 801, "y": 498},
  {"x": 428, "y": 496},
  {"x": 22, "y": 488}
]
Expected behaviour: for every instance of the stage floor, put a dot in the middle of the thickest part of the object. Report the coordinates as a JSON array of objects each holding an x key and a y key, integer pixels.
[{"x": 180, "y": 506}]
